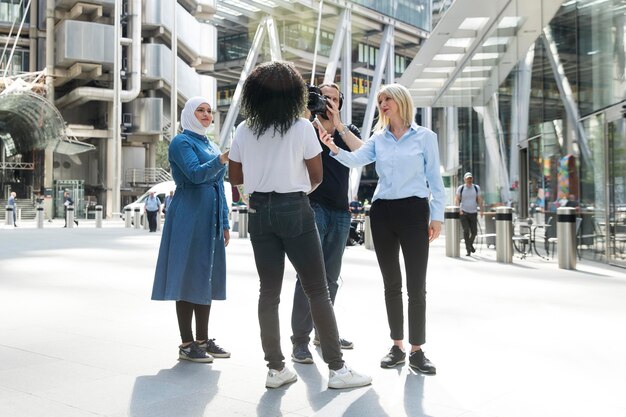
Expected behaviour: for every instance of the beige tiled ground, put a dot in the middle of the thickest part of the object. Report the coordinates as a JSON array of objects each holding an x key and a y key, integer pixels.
[{"x": 79, "y": 336}]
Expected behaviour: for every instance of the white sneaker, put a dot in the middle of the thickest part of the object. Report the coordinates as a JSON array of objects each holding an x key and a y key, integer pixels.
[
  {"x": 347, "y": 378},
  {"x": 276, "y": 378}
]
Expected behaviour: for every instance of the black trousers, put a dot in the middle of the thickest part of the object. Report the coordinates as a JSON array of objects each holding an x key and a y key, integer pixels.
[
  {"x": 185, "y": 312},
  {"x": 152, "y": 219},
  {"x": 403, "y": 224},
  {"x": 469, "y": 223}
]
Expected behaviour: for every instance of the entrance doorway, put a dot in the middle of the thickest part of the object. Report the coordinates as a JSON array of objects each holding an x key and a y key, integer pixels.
[{"x": 603, "y": 184}]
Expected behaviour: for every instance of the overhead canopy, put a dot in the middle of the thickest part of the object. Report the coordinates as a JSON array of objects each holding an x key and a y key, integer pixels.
[
  {"x": 473, "y": 49},
  {"x": 30, "y": 122}
]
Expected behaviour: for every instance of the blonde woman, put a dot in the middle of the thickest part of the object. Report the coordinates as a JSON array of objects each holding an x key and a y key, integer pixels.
[{"x": 407, "y": 212}]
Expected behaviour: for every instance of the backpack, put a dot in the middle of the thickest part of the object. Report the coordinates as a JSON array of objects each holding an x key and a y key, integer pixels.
[{"x": 463, "y": 187}]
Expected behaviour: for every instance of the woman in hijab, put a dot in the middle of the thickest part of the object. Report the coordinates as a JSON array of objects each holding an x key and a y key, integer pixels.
[{"x": 191, "y": 267}]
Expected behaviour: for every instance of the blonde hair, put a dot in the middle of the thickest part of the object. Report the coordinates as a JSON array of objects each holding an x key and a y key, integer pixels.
[{"x": 400, "y": 94}]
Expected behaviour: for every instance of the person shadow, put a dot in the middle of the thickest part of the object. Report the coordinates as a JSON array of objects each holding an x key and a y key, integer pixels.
[
  {"x": 414, "y": 395},
  {"x": 185, "y": 389}
]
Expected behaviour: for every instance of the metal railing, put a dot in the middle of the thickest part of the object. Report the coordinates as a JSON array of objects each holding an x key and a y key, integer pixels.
[{"x": 146, "y": 176}]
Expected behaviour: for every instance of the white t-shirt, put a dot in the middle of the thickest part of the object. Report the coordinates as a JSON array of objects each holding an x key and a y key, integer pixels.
[{"x": 275, "y": 163}]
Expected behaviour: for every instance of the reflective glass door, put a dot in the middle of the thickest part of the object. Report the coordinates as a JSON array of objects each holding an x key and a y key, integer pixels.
[{"x": 616, "y": 138}]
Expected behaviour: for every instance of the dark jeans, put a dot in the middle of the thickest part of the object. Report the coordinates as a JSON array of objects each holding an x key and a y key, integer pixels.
[
  {"x": 403, "y": 223},
  {"x": 333, "y": 226},
  {"x": 282, "y": 224},
  {"x": 469, "y": 223},
  {"x": 152, "y": 219}
]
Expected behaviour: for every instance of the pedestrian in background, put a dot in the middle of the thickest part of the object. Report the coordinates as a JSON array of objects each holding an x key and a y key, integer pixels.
[
  {"x": 67, "y": 202},
  {"x": 151, "y": 209},
  {"x": 11, "y": 203},
  {"x": 191, "y": 267},
  {"x": 401, "y": 215},
  {"x": 276, "y": 155},
  {"x": 469, "y": 198},
  {"x": 168, "y": 200}
]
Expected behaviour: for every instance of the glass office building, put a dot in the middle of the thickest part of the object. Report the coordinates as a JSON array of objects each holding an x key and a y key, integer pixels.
[
  {"x": 533, "y": 96},
  {"x": 526, "y": 94}
]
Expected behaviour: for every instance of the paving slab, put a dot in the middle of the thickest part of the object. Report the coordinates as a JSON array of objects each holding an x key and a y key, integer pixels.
[{"x": 79, "y": 336}]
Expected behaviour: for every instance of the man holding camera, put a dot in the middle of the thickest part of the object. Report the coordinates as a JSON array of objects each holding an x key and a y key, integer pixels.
[{"x": 329, "y": 201}]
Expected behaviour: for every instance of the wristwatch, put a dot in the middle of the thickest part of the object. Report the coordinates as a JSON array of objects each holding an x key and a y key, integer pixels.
[{"x": 344, "y": 131}]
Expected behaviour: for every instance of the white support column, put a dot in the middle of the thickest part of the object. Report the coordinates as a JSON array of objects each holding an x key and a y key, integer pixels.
[
  {"x": 251, "y": 59},
  {"x": 355, "y": 175},
  {"x": 520, "y": 107},
  {"x": 427, "y": 117},
  {"x": 346, "y": 71},
  {"x": 378, "y": 75},
  {"x": 272, "y": 34},
  {"x": 567, "y": 97},
  {"x": 174, "y": 85},
  {"x": 115, "y": 150},
  {"x": 496, "y": 164},
  {"x": 338, "y": 43},
  {"x": 391, "y": 62},
  {"x": 449, "y": 147}
]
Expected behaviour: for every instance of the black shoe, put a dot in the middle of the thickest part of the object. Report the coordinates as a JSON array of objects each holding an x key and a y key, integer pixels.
[
  {"x": 76, "y": 221},
  {"x": 194, "y": 353},
  {"x": 213, "y": 349},
  {"x": 473, "y": 249},
  {"x": 468, "y": 253},
  {"x": 395, "y": 357},
  {"x": 301, "y": 353},
  {"x": 418, "y": 361}
]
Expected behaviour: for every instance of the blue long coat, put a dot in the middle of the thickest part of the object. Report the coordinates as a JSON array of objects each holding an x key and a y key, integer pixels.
[{"x": 192, "y": 259}]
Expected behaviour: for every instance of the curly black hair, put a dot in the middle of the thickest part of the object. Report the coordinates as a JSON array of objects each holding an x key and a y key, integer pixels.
[{"x": 274, "y": 95}]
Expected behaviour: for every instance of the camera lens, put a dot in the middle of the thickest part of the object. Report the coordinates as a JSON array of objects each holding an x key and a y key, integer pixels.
[{"x": 317, "y": 101}]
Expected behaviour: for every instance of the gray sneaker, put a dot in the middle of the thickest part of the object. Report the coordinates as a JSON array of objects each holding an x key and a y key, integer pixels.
[
  {"x": 194, "y": 353},
  {"x": 301, "y": 353},
  {"x": 343, "y": 343},
  {"x": 277, "y": 379}
]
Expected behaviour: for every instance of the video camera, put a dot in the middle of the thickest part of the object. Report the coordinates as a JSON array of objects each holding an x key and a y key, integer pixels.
[{"x": 317, "y": 101}]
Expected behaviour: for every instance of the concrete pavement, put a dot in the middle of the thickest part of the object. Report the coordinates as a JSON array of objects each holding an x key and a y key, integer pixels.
[{"x": 79, "y": 336}]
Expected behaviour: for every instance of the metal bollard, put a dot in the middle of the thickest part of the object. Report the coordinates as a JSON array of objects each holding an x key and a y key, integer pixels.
[
  {"x": 158, "y": 220},
  {"x": 9, "y": 216},
  {"x": 452, "y": 216},
  {"x": 367, "y": 239},
  {"x": 243, "y": 222},
  {"x": 69, "y": 217},
  {"x": 137, "y": 218},
  {"x": 504, "y": 234},
  {"x": 128, "y": 217},
  {"x": 98, "y": 217},
  {"x": 234, "y": 214},
  {"x": 566, "y": 237},
  {"x": 39, "y": 215}
]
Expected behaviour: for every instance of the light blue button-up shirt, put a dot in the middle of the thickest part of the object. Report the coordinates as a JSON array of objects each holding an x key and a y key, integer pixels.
[
  {"x": 408, "y": 167},
  {"x": 153, "y": 203}
]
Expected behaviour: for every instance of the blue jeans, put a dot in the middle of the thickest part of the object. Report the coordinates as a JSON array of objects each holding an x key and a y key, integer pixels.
[
  {"x": 279, "y": 225},
  {"x": 333, "y": 226}
]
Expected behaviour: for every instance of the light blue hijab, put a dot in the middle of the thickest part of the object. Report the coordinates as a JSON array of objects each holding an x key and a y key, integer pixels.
[{"x": 188, "y": 119}]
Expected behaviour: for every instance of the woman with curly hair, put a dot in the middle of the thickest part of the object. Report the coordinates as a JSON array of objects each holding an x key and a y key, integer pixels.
[{"x": 275, "y": 154}]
